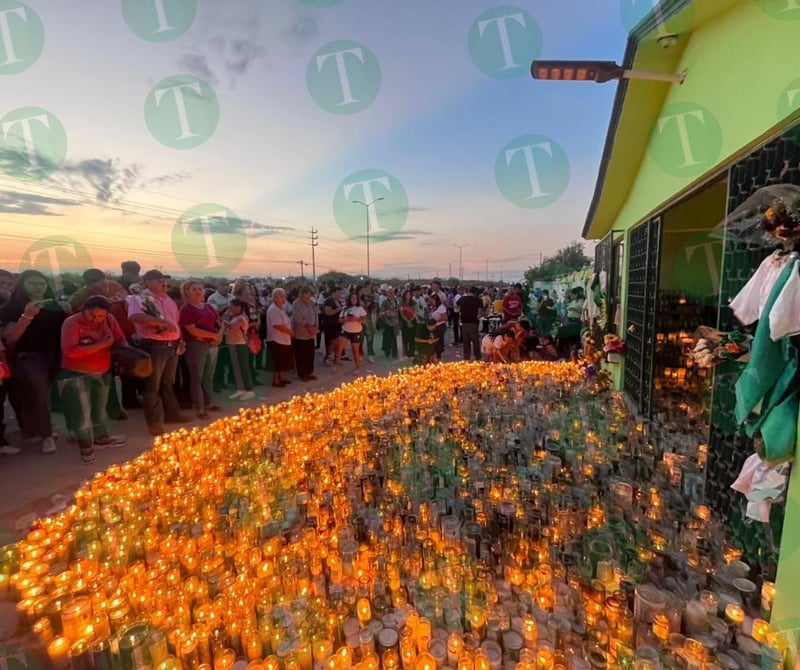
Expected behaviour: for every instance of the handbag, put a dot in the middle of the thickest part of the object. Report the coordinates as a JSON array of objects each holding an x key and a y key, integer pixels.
[
  {"x": 130, "y": 362},
  {"x": 253, "y": 342}
]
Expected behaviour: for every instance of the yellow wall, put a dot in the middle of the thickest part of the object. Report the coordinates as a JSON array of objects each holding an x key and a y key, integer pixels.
[{"x": 739, "y": 69}]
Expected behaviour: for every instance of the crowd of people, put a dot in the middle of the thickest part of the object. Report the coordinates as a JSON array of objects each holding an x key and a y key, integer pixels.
[{"x": 61, "y": 351}]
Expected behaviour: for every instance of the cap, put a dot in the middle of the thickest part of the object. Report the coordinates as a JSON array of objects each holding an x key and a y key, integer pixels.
[{"x": 154, "y": 274}]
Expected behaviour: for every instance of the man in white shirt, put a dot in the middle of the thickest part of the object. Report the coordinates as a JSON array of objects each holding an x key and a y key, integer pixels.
[{"x": 221, "y": 298}]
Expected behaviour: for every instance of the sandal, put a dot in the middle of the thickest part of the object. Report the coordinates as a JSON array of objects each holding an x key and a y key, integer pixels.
[{"x": 86, "y": 454}]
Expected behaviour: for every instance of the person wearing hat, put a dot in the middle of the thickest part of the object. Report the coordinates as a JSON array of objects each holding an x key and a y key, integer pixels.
[{"x": 155, "y": 316}]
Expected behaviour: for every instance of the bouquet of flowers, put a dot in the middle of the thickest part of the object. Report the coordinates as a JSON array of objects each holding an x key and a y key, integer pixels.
[
  {"x": 614, "y": 344},
  {"x": 150, "y": 308}
]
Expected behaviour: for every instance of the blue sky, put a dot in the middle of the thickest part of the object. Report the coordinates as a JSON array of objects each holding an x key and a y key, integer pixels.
[{"x": 277, "y": 156}]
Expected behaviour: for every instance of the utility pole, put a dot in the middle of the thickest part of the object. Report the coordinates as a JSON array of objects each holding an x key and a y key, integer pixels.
[
  {"x": 366, "y": 206},
  {"x": 449, "y": 270},
  {"x": 460, "y": 260},
  {"x": 487, "y": 270},
  {"x": 302, "y": 264},
  {"x": 314, "y": 245}
]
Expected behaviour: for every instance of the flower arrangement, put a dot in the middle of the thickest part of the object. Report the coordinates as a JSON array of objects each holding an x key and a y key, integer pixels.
[
  {"x": 150, "y": 308},
  {"x": 614, "y": 344},
  {"x": 782, "y": 219}
]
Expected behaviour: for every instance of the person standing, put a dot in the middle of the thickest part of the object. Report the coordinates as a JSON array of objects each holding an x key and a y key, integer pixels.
[
  {"x": 471, "y": 309},
  {"x": 512, "y": 304},
  {"x": 85, "y": 379},
  {"x": 390, "y": 315},
  {"x": 279, "y": 338},
  {"x": 32, "y": 320},
  {"x": 456, "y": 321},
  {"x": 331, "y": 324},
  {"x": 408, "y": 323},
  {"x": 305, "y": 326},
  {"x": 221, "y": 298},
  {"x": 353, "y": 324},
  {"x": 235, "y": 328},
  {"x": 202, "y": 333},
  {"x": 155, "y": 316}
]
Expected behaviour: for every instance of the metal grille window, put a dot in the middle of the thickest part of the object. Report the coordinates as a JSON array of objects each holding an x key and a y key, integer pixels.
[
  {"x": 777, "y": 162},
  {"x": 643, "y": 271}
]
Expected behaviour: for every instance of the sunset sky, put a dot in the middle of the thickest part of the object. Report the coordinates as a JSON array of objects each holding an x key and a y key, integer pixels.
[{"x": 403, "y": 108}]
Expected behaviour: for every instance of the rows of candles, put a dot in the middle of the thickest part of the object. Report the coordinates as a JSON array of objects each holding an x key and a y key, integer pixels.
[{"x": 452, "y": 517}]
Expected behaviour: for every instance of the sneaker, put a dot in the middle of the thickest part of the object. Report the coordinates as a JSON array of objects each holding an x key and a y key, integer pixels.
[
  {"x": 8, "y": 450},
  {"x": 237, "y": 395},
  {"x": 247, "y": 395},
  {"x": 86, "y": 454},
  {"x": 32, "y": 441},
  {"x": 48, "y": 445},
  {"x": 371, "y": 359},
  {"x": 327, "y": 363},
  {"x": 110, "y": 442}
]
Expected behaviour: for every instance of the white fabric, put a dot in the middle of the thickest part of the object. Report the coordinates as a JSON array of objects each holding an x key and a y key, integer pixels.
[
  {"x": 275, "y": 317},
  {"x": 761, "y": 485},
  {"x": 749, "y": 302},
  {"x": 353, "y": 326},
  {"x": 784, "y": 318},
  {"x": 219, "y": 301}
]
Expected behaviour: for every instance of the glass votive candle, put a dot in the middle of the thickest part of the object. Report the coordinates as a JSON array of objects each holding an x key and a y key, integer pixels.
[
  {"x": 58, "y": 652},
  {"x": 648, "y": 602}
]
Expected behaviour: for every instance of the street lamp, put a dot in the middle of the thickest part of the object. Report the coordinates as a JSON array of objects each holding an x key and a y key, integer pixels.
[
  {"x": 599, "y": 71},
  {"x": 460, "y": 264},
  {"x": 367, "y": 206}
]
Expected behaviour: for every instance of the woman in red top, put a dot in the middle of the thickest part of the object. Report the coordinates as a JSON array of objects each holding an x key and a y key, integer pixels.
[
  {"x": 85, "y": 379},
  {"x": 202, "y": 333}
]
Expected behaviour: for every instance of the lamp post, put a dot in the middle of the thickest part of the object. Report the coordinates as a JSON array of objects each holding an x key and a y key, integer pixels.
[
  {"x": 460, "y": 264},
  {"x": 367, "y": 206},
  {"x": 599, "y": 71}
]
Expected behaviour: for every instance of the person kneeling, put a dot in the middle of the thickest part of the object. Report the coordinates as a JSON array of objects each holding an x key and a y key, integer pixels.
[{"x": 495, "y": 348}]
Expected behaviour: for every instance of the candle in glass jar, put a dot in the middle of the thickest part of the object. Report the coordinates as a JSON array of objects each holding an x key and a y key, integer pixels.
[
  {"x": 76, "y": 617},
  {"x": 322, "y": 649},
  {"x": 735, "y": 615},
  {"x": 43, "y": 629},
  {"x": 438, "y": 649},
  {"x": 425, "y": 661},
  {"x": 58, "y": 652},
  {"x": 760, "y": 630},
  {"x": 364, "y": 611},
  {"x": 454, "y": 646}
]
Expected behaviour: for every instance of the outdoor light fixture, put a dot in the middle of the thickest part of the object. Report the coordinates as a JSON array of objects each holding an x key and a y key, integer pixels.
[{"x": 599, "y": 71}]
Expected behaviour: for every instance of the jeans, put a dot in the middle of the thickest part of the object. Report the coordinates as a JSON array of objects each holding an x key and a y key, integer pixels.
[
  {"x": 239, "y": 356},
  {"x": 471, "y": 339},
  {"x": 200, "y": 357},
  {"x": 158, "y": 399},
  {"x": 456, "y": 322},
  {"x": 84, "y": 398},
  {"x": 33, "y": 373}
]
